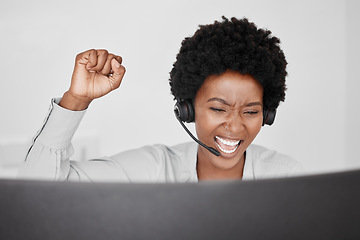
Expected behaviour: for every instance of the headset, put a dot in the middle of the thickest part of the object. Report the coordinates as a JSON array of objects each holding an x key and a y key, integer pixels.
[{"x": 184, "y": 112}]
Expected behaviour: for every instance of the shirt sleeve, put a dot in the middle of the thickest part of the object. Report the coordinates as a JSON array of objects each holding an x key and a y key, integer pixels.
[{"x": 48, "y": 157}]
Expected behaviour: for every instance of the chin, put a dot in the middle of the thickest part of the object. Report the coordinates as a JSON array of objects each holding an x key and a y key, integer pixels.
[{"x": 227, "y": 161}]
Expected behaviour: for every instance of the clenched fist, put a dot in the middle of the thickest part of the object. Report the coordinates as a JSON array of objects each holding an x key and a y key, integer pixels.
[{"x": 96, "y": 73}]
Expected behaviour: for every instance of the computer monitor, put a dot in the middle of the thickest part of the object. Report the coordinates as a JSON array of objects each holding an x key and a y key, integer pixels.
[{"x": 325, "y": 206}]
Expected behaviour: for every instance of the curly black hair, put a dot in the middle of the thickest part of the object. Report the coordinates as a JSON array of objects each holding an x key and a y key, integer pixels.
[{"x": 235, "y": 44}]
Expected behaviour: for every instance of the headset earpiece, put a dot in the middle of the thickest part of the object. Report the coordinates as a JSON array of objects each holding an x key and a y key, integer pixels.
[
  {"x": 184, "y": 110},
  {"x": 269, "y": 116}
]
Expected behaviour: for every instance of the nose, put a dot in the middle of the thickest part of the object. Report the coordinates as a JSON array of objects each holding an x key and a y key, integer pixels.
[{"x": 234, "y": 123}]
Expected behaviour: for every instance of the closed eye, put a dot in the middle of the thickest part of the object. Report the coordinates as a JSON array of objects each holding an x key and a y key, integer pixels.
[
  {"x": 217, "y": 109},
  {"x": 252, "y": 112}
]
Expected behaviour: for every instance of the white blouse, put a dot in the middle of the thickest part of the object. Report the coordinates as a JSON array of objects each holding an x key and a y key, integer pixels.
[{"x": 49, "y": 158}]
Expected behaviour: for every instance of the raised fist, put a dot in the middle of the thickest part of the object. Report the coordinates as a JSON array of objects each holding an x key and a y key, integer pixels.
[{"x": 96, "y": 73}]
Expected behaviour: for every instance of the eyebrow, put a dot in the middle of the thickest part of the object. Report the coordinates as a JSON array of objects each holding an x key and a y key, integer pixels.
[
  {"x": 254, "y": 104},
  {"x": 228, "y": 104},
  {"x": 219, "y": 100}
]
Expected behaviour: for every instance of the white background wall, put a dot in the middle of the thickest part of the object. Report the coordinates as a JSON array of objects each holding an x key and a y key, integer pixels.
[{"x": 40, "y": 39}]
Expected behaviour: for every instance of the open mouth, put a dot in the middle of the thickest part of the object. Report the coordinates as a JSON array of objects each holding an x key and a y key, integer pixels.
[{"x": 226, "y": 145}]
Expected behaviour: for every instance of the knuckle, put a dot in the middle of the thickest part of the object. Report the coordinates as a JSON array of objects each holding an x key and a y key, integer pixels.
[
  {"x": 123, "y": 69},
  {"x": 103, "y": 51}
]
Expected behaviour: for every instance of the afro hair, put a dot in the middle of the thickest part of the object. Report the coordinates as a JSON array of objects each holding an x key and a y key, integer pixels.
[{"x": 237, "y": 45}]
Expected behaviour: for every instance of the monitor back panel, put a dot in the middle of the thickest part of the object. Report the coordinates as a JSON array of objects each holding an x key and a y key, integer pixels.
[{"x": 313, "y": 207}]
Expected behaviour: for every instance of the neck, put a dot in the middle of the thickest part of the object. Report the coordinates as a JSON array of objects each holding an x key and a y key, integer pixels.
[{"x": 206, "y": 170}]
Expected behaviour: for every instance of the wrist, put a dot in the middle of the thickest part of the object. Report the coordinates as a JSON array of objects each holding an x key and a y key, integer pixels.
[{"x": 74, "y": 103}]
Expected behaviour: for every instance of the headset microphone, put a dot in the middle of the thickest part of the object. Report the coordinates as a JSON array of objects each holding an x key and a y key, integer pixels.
[{"x": 210, "y": 149}]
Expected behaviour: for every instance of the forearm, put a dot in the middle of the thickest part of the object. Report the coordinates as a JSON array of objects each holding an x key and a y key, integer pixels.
[{"x": 48, "y": 157}]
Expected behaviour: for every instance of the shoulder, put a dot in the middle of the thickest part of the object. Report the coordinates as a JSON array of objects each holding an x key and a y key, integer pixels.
[
  {"x": 157, "y": 162},
  {"x": 270, "y": 163},
  {"x": 160, "y": 152}
]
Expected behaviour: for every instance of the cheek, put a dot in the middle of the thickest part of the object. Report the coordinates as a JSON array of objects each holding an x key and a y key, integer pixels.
[
  {"x": 255, "y": 128},
  {"x": 205, "y": 125}
]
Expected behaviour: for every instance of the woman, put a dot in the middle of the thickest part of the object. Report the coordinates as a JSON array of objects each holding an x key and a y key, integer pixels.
[{"x": 228, "y": 78}]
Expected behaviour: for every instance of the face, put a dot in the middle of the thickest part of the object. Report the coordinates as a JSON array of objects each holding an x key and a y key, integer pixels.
[{"x": 228, "y": 116}]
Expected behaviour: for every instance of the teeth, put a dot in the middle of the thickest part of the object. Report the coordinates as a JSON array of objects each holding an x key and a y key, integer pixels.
[
  {"x": 226, "y": 151},
  {"x": 227, "y": 142}
]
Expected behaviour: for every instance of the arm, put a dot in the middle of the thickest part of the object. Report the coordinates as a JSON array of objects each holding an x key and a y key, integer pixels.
[{"x": 96, "y": 73}]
